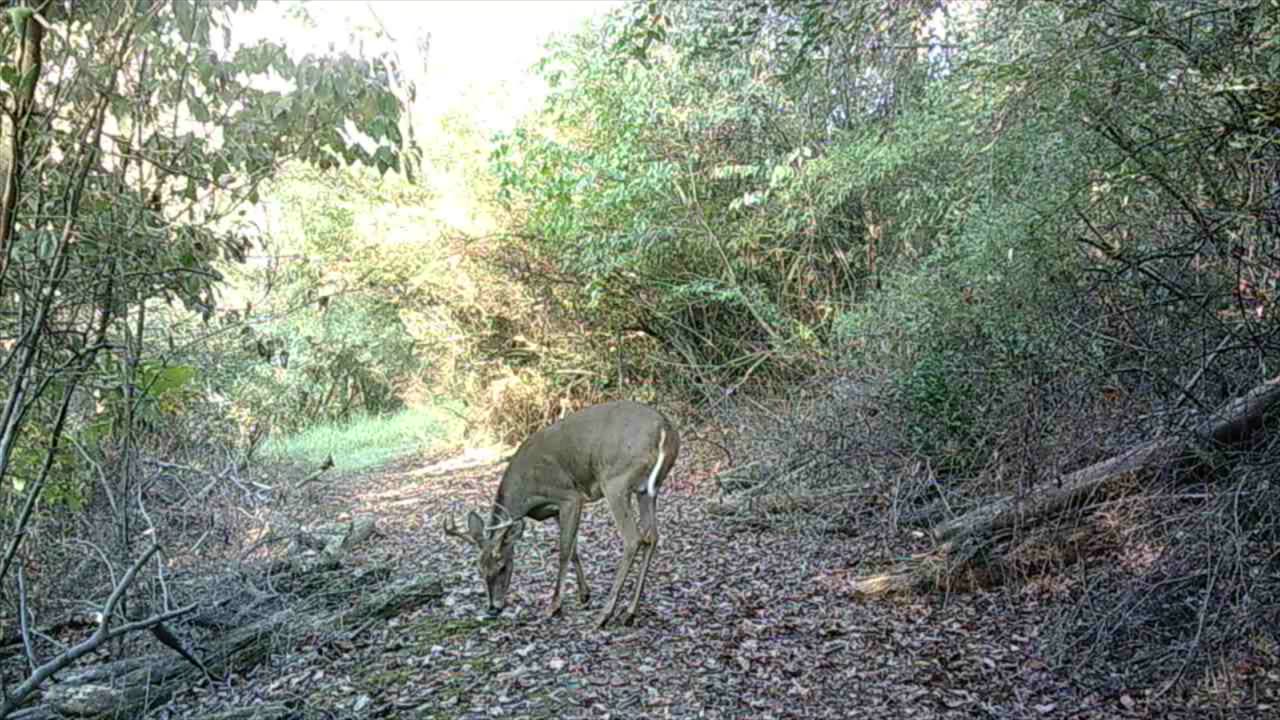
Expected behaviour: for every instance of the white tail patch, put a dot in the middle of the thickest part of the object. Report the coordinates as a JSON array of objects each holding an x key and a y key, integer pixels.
[{"x": 653, "y": 476}]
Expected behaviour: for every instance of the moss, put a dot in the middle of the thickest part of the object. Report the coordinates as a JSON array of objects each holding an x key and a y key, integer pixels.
[{"x": 433, "y": 631}]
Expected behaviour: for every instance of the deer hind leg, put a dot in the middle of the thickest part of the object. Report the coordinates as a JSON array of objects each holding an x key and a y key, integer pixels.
[
  {"x": 648, "y": 533},
  {"x": 568, "y": 518},
  {"x": 620, "y": 505}
]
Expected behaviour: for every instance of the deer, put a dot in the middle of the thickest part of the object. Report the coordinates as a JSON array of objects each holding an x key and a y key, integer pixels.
[{"x": 614, "y": 451}]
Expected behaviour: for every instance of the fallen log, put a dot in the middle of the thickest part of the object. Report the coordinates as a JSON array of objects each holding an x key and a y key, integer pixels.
[
  {"x": 1236, "y": 425},
  {"x": 1077, "y": 489},
  {"x": 334, "y": 540},
  {"x": 129, "y": 688}
]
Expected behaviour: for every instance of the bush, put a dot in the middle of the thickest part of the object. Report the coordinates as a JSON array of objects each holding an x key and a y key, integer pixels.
[{"x": 354, "y": 356}]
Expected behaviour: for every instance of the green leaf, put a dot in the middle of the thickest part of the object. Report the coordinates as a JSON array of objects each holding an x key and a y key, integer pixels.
[
  {"x": 199, "y": 110},
  {"x": 282, "y": 107},
  {"x": 160, "y": 382},
  {"x": 185, "y": 16},
  {"x": 18, "y": 17}
]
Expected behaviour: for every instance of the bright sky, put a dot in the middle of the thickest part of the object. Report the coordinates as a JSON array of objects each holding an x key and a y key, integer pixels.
[
  {"x": 475, "y": 44},
  {"x": 481, "y": 50}
]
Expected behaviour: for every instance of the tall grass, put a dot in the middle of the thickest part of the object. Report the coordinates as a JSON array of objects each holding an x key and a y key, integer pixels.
[{"x": 370, "y": 441}]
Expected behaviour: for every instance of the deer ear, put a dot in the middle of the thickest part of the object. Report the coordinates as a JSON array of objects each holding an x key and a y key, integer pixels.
[{"x": 475, "y": 527}]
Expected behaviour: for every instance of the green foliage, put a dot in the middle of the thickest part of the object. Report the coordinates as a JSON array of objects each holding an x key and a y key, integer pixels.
[
  {"x": 946, "y": 403},
  {"x": 27, "y": 462},
  {"x": 159, "y": 393},
  {"x": 686, "y": 196},
  {"x": 365, "y": 441},
  {"x": 328, "y": 339},
  {"x": 141, "y": 135},
  {"x": 327, "y": 364},
  {"x": 1060, "y": 209}
]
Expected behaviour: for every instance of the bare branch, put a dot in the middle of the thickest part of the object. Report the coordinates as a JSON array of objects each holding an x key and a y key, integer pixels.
[
  {"x": 103, "y": 634},
  {"x": 22, "y": 619}
]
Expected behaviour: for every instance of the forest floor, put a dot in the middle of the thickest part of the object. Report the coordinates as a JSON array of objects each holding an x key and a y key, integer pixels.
[{"x": 738, "y": 620}]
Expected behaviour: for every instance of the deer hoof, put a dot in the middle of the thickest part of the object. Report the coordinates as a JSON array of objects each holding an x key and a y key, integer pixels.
[
  {"x": 554, "y": 610},
  {"x": 602, "y": 621}
]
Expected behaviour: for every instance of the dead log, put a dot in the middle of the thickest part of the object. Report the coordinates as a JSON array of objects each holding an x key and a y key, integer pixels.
[
  {"x": 130, "y": 687},
  {"x": 1077, "y": 489},
  {"x": 101, "y": 692},
  {"x": 1232, "y": 426},
  {"x": 334, "y": 540},
  {"x": 1237, "y": 424}
]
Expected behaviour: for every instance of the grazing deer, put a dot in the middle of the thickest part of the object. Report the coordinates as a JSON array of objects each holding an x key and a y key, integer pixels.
[{"x": 614, "y": 451}]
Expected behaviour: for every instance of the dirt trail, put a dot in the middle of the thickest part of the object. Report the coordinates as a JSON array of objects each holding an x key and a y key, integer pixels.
[{"x": 736, "y": 622}]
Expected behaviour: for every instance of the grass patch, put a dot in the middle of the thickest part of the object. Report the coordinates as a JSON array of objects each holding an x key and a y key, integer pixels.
[{"x": 370, "y": 441}]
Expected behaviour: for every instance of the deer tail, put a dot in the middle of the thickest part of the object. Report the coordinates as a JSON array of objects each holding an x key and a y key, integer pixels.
[{"x": 657, "y": 466}]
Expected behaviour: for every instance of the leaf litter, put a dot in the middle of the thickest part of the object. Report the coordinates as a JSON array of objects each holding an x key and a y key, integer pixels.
[{"x": 737, "y": 620}]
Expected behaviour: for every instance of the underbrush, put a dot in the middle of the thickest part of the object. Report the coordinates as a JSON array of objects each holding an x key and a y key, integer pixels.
[
  {"x": 367, "y": 441},
  {"x": 1166, "y": 582},
  {"x": 1184, "y": 588}
]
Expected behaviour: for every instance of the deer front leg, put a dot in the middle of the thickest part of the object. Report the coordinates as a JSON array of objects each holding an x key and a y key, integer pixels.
[
  {"x": 584, "y": 591},
  {"x": 570, "y": 515},
  {"x": 649, "y": 543},
  {"x": 620, "y": 506}
]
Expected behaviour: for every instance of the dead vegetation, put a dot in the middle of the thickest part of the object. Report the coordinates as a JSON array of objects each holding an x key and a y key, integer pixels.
[
  {"x": 1161, "y": 551},
  {"x": 341, "y": 596}
]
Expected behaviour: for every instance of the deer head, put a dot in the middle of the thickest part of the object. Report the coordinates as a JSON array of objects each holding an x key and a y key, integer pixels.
[{"x": 496, "y": 544}]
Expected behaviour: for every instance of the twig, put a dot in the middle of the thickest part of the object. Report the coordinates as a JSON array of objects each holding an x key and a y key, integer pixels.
[
  {"x": 102, "y": 475},
  {"x": 102, "y": 634},
  {"x": 22, "y": 618},
  {"x": 37, "y": 487},
  {"x": 328, "y": 463}
]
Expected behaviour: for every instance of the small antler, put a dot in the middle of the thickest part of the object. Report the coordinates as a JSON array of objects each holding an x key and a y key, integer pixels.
[
  {"x": 451, "y": 529},
  {"x": 499, "y": 510}
]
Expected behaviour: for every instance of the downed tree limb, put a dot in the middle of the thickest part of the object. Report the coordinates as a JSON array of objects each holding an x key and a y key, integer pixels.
[
  {"x": 1235, "y": 425},
  {"x": 131, "y": 687},
  {"x": 1231, "y": 426},
  {"x": 133, "y": 692},
  {"x": 337, "y": 539},
  {"x": 332, "y": 541},
  {"x": 104, "y": 633},
  {"x": 1073, "y": 490}
]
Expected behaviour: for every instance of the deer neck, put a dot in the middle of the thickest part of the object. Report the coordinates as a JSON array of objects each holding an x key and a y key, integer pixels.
[{"x": 509, "y": 503}]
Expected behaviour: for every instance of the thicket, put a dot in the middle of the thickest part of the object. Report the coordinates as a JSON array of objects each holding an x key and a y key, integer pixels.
[
  {"x": 924, "y": 254},
  {"x": 135, "y": 138},
  {"x": 1025, "y": 236}
]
